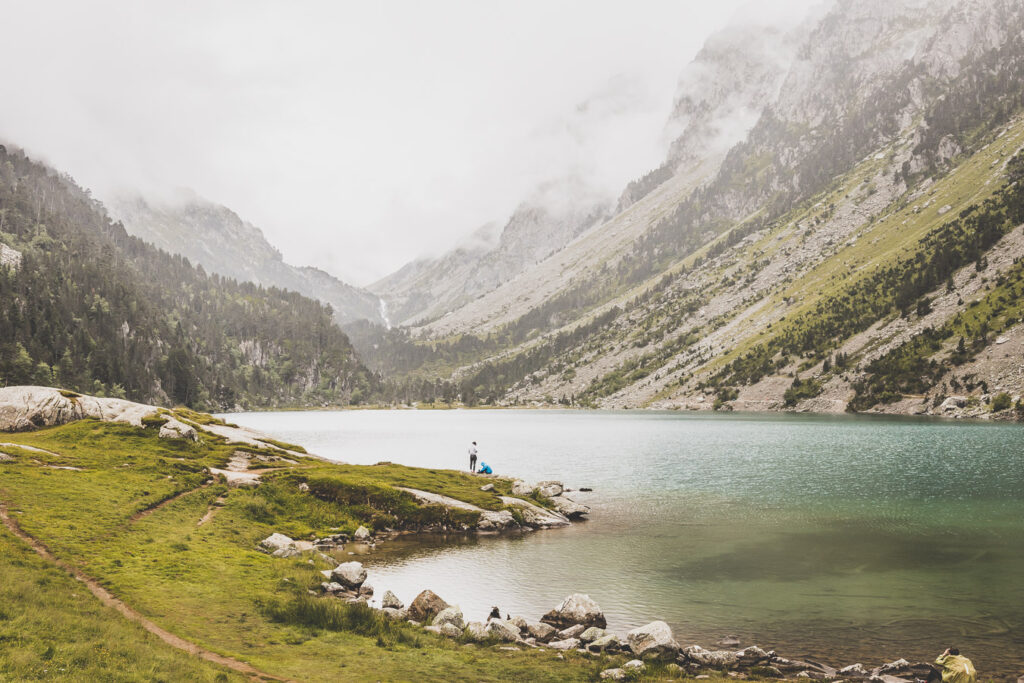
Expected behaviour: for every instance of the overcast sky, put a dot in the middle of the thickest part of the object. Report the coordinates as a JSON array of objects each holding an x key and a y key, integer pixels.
[{"x": 357, "y": 135}]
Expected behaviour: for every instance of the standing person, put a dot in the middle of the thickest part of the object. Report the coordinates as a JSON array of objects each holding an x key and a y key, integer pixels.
[
  {"x": 472, "y": 457},
  {"x": 955, "y": 668}
]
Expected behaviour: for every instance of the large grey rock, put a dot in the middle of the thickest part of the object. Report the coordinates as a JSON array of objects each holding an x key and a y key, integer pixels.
[
  {"x": 502, "y": 630},
  {"x": 451, "y": 631},
  {"x": 276, "y": 542},
  {"x": 570, "y": 508},
  {"x": 592, "y": 634},
  {"x": 615, "y": 674},
  {"x": 752, "y": 655},
  {"x": 486, "y": 488},
  {"x": 391, "y": 600},
  {"x": 712, "y": 659},
  {"x": 653, "y": 640},
  {"x": 450, "y": 615},
  {"x": 854, "y": 670},
  {"x": 634, "y": 665},
  {"x": 496, "y": 520},
  {"x": 173, "y": 429},
  {"x": 607, "y": 642},
  {"x": 520, "y": 623},
  {"x": 349, "y": 574},
  {"x": 426, "y": 605},
  {"x": 395, "y": 614},
  {"x": 521, "y": 488},
  {"x": 573, "y": 631},
  {"x": 567, "y": 644},
  {"x": 541, "y": 631},
  {"x": 578, "y": 608},
  {"x": 362, "y": 534},
  {"x": 24, "y": 408},
  {"x": 893, "y": 667},
  {"x": 476, "y": 631},
  {"x": 549, "y": 489}
]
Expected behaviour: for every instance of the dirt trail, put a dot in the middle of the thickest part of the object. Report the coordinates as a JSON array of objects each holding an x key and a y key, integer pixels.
[
  {"x": 108, "y": 599},
  {"x": 167, "y": 501},
  {"x": 215, "y": 506}
]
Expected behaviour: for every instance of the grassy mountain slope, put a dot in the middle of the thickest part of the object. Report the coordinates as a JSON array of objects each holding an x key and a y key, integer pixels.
[{"x": 90, "y": 308}]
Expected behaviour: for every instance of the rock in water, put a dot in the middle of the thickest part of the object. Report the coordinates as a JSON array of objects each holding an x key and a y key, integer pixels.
[
  {"x": 426, "y": 605},
  {"x": 362, "y": 534},
  {"x": 391, "y": 600},
  {"x": 570, "y": 508},
  {"x": 349, "y": 574},
  {"x": 550, "y": 489},
  {"x": 576, "y": 609},
  {"x": 653, "y": 640}
]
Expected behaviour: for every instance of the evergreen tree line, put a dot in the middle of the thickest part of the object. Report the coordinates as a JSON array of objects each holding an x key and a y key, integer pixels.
[{"x": 95, "y": 310}]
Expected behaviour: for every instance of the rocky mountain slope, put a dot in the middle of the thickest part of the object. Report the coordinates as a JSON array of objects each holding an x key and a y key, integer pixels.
[
  {"x": 216, "y": 238},
  {"x": 541, "y": 225},
  {"x": 828, "y": 259}
]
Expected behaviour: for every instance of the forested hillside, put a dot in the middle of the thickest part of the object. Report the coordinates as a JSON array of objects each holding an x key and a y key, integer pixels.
[{"x": 88, "y": 307}]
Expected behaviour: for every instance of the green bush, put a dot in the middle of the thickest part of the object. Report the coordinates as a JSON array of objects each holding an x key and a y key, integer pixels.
[{"x": 1001, "y": 402}]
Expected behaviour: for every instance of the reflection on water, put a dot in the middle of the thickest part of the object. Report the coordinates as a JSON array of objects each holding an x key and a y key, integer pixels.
[{"x": 840, "y": 538}]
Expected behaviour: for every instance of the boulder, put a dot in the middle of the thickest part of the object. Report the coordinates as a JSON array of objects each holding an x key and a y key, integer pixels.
[
  {"x": 349, "y": 574},
  {"x": 541, "y": 631},
  {"x": 576, "y": 609},
  {"x": 426, "y": 605},
  {"x": 394, "y": 614},
  {"x": 608, "y": 642},
  {"x": 366, "y": 589},
  {"x": 893, "y": 667},
  {"x": 291, "y": 551},
  {"x": 502, "y": 630},
  {"x": 487, "y": 487},
  {"x": 450, "y": 615},
  {"x": 634, "y": 665},
  {"x": 433, "y": 628},
  {"x": 653, "y": 640},
  {"x": 592, "y": 634},
  {"x": 853, "y": 670},
  {"x": 520, "y": 623},
  {"x": 451, "y": 631},
  {"x": 712, "y": 659},
  {"x": 276, "y": 542},
  {"x": 391, "y": 600},
  {"x": 362, "y": 534},
  {"x": 567, "y": 644},
  {"x": 752, "y": 655},
  {"x": 496, "y": 520},
  {"x": 570, "y": 508},
  {"x": 332, "y": 587},
  {"x": 614, "y": 675},
  {"x": 173, "y": 429},
  {"x": 521, "y": 488},
  {"x": 549, "y": 489},
  {"x": 572, "y": 632},
  {"x": 476, "y": 631}
]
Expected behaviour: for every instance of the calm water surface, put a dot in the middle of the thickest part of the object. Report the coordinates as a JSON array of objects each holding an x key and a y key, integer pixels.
[{"x": 841, "y": 538}]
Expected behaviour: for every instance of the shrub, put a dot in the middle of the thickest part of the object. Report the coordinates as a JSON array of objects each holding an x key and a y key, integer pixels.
[{"x": 1001, "y": 401}]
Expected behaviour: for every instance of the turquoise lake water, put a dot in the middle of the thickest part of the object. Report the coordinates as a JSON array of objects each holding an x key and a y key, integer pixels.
[{"x": 839, "y": 538}]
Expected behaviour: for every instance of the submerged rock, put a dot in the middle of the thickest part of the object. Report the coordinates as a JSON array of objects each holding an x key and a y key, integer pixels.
[
  {"x": 578, "y": 608},
  {"x": 653, "y": 640},
  {"x": 426, "y": 605}
]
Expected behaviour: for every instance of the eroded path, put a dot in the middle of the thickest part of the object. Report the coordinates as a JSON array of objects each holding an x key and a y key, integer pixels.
[{"x": 109, "y": 600}]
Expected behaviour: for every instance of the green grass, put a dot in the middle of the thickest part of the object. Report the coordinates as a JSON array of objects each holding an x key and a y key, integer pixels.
[
  {"x": 52, "y": 628},
  {"x": 209, "y": 584}
]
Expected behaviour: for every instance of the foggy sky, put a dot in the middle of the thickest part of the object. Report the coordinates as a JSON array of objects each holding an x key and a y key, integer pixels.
[{"x": 357, "y": 135}]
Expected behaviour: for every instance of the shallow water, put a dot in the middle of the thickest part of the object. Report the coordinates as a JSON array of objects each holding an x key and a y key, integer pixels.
[{"x": 838, "y": 538}]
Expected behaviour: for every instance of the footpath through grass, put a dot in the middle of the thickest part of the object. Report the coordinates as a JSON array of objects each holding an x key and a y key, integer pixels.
[{"x": 208, "y": 584}]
